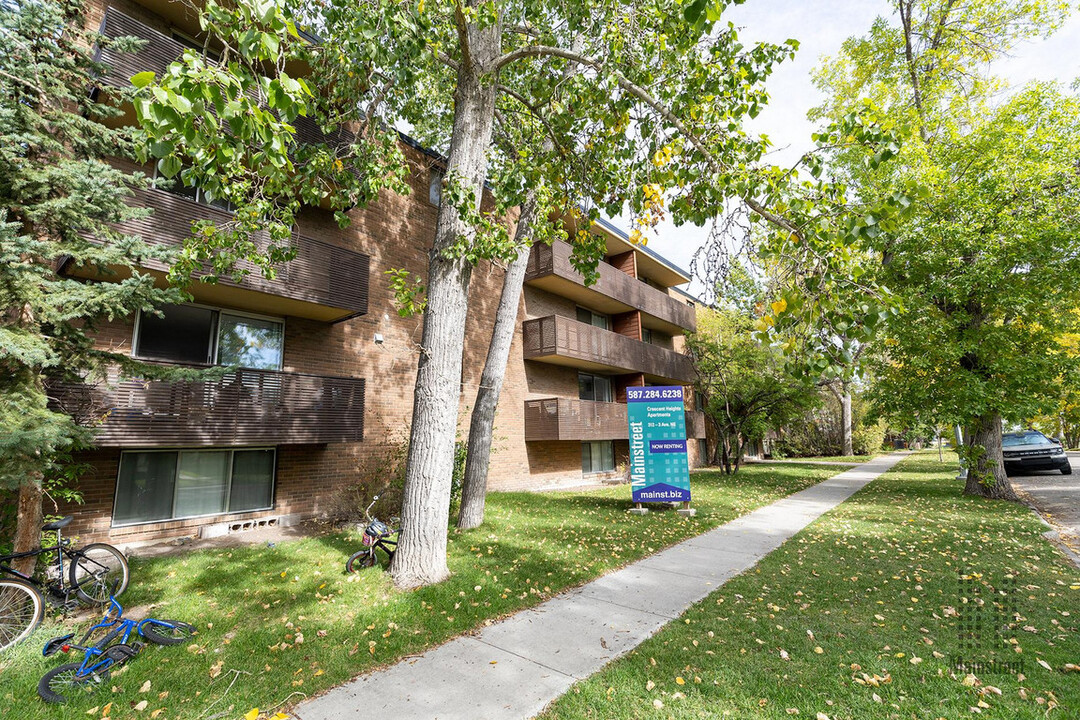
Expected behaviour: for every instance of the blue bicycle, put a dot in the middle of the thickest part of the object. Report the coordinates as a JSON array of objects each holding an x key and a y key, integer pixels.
[{"x": 111, "y": 651}]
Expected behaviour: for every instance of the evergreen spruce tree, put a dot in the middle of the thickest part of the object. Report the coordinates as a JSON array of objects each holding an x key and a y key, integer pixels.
[{"x": 58, "y": 196}]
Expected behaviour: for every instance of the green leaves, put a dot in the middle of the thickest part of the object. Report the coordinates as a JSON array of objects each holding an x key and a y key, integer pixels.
[
  {"x": 230, "y": 128},
  {"x": 140, "y": 80}
]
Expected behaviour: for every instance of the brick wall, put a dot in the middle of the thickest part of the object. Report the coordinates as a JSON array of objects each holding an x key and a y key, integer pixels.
[{"x": 395, "y": 232}]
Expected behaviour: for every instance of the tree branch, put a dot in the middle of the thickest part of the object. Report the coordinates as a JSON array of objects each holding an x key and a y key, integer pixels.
[{"x": 533, "y": 51}]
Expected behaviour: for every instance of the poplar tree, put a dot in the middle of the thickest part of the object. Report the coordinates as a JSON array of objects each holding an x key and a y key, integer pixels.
[{"x": 982, "y": 267}]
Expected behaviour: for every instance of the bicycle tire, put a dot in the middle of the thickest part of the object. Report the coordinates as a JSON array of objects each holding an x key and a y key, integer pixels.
[
  {"x": 360, "y": 560},
  {"x": 159, "y": 633},
  {"x": 54, "y": 682},
  {"x": 21, "y": 610},
  {"x": 95, "y": 569}
]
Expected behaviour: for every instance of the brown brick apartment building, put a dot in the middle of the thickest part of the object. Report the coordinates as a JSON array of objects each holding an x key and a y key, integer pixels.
[{"x": 328, "y": 365}]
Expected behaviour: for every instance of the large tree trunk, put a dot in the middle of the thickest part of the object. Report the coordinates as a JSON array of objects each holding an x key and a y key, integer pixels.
[
  {"x": 28, "y": 524},
  {"x": 478, "y": 455},
  {"x": 987, "y": 477},
  {"x": 845, "y": 419},
  {"x": 420, "y": 558}
]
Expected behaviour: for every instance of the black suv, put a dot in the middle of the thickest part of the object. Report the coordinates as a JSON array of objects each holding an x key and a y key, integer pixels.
[{"x": 1031, "y": 450}]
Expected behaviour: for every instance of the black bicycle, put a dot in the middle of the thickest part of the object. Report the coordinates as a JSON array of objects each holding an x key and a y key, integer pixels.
[
  {"x": 377, "y": 535},
  {"x": 92, "y": 574}
]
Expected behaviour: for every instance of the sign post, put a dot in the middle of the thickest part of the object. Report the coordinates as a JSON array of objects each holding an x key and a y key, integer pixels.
[{"x": 659, "y": 469}]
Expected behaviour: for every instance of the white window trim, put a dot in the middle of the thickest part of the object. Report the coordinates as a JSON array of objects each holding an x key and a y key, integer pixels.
[
  {"x": 228, "y": 483},
  {"x": 217, "y": 330}
]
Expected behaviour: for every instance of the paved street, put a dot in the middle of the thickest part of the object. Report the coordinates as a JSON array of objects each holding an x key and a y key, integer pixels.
[{"x": 1056, "y": 495}]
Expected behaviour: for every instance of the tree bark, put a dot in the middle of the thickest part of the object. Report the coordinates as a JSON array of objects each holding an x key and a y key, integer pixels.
[
  {"x": 28, "y": 524},
  {"x": 481, "y": 425},
  {"x": 420, "y": 558},
  {"x": 987, "y": 478},
  {"x": 845, "y": 418}
]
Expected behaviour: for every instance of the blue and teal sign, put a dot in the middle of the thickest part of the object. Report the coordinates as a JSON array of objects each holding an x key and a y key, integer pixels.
[{"x": 659, "y": 470}]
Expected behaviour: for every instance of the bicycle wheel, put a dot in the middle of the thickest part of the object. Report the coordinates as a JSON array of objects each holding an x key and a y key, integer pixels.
[
  {"x": 21, "y": 610},
  {"x": 98, "y": 572},
  {"x": 362, "y": 559},
  {"x": 60, "y": 683},
  {"x": 166, "y": 632}
]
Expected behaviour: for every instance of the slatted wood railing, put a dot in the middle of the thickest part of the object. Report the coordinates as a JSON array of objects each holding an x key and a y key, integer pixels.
[
  {"x": 244, "y": 407},
  {"x": 586, "y": 420},
  {"x": 547, "y": 260},
  {"x": 320, "y": 273},
  {"x": 564, "y": 338}
]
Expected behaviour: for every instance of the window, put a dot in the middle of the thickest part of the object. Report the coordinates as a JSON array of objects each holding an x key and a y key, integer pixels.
[
  {"x": 191, "y": 334},
  {"x": 646, "y": 335},
  {"x": 176, "y": 186},
  {"x": 588, "y": 317},
  {"x": 597, "y": 457},
  {"x": 160, "y": 485},
  {"x": 703, "y": 451},
  {"x": 699, "y": 400},
  {"x": 594, "y": 387},
  {"x": 435, "y": 188}
]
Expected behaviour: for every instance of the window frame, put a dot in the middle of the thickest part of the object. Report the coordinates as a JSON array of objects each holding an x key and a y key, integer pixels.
[
  {"x": 228, "y": 484},
  {"x": 213, "y": 351},
  {"x": 594, "y": 376},
  {"x": 593, "y": 315},
  {"x": 178, "y": 184},
  {"x": 589, "y": 444}
]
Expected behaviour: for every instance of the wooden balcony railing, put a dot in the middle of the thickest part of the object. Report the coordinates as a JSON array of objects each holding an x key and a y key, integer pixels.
[
  {"x": 554, "y": 261},
  {"x": 159, "y": 52},
  {"x": 586, "y": 420},
  {"x": 566, "y": 341},
  {"x": 570, "y": 419},
  {"x": 324, "y": 275},
  {"x": 245, "y": 407}
]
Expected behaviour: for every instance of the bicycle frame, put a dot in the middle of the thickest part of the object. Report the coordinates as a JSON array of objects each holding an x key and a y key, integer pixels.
[
  {"x": 96, "y": 657},
  {"x": 60, "y": 587}
]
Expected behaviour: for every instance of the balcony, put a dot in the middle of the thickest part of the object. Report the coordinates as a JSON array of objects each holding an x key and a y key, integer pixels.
[
  {"x": 323, "y": 282},
  {"x": 564, "y": 341},
  {"x": 245, "y": 407},
  {"x": 159, "y": 52},
  {"x": 585, "y": 420},
  {"x": 549, "y": 268},
  {"x": 570, "y": 419}
]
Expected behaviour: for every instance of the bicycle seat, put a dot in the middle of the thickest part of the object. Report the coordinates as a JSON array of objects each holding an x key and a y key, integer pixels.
[
  {"x": 54, "y": 645},
  {"x": 57, "y": 524}
]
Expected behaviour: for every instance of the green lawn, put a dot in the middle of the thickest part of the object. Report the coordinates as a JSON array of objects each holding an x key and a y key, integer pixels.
[
  {"x": 285, "y": 622},
  {"x": 859, "y": 615}
]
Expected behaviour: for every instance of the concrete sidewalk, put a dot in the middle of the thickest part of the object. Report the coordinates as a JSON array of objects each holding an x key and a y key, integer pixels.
[{"x": 515, "y": 668}]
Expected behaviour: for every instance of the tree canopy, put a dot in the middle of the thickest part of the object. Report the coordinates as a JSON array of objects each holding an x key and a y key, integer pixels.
[{"x": 977, "y": 267}]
